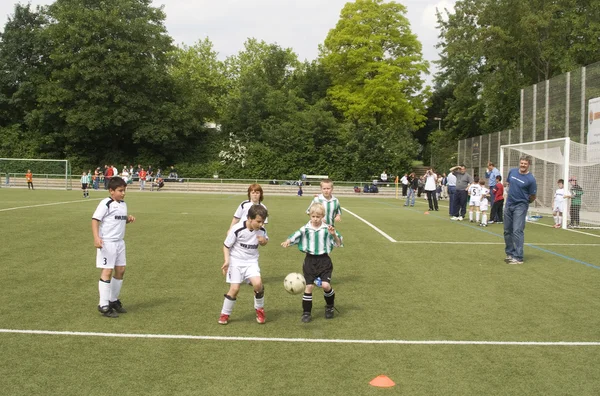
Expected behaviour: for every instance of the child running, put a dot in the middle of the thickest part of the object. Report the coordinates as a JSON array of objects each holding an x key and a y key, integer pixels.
[
  {"x": 108, "y": 228},
  {"x": 240, "y": 252},
  {"x": 333, "y": 209},
  {"x": 317, "y": 240}
]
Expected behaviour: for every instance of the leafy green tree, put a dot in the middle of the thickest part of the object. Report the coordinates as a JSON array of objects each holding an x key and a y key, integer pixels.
[{"x": 375, "y": 65}]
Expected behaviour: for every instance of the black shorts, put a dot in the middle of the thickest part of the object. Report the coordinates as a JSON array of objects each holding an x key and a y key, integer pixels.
[
  {"x": 84, "y": 186},
  {"x": 317, "y": 266}
]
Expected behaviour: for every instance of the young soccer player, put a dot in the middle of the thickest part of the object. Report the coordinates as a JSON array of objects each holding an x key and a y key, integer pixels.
[
  {"x": 255, "y": 197},
  {"x": 474, "y": 190},
  {"x": 317, "y": 240},
  {"x": 108, "y": 228},
  {"x": 558, "y": 203},
  {"x": 333, "y": 209},
  {"x": 484, "y": 203},
  {"x": 29, "y": 178},
  {"x": 240, "y": 252},
  {"x": 84, "y": 184}
]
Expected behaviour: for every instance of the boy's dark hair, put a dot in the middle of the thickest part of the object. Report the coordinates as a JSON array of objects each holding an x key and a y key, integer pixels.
[
  {"x": 476, "y": 179},
  {"x": 499, "y": 178},
  {"x": 257, "y": 210},
  {"x": 116, "y": 182},
  {"x": 561, "y": 181}
]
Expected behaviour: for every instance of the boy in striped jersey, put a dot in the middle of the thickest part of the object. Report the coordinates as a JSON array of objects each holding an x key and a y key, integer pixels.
[
  {"x": 240, "y": 252},
  {"x": 317, "y": 240},
  {"x": 333, "y": 209}
]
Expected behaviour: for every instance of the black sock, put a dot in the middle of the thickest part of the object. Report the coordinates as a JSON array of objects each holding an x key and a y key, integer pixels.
[
  {"x": 307, "y": 302},
  {"x": 329, "y": 297}
]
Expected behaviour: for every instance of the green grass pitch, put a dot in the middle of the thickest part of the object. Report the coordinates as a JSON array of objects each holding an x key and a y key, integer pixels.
[{"x": 440, "y": 281}]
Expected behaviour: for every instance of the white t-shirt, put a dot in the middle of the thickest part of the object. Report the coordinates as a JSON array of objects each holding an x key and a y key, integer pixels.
[
  {"x": 559, "y": 199},
  {"x": 404, "y": 180},
  {"x": 243, "y": 243},
  {"x": 430, "y": 182},
  {"x": 475, "y": 192},
  {"x": 113, "y": 218},
  {"x": 242, "y": 211},
  {"x": 384, "y": 176}
]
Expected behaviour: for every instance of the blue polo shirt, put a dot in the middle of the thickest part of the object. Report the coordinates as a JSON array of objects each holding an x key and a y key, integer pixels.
[
  {"x": 491, "y": 175},
  {"x": 521, "y": 187}
]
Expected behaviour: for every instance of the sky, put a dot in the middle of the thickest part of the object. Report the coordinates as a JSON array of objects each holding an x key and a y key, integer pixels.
[{"x": 298, "y": 24}]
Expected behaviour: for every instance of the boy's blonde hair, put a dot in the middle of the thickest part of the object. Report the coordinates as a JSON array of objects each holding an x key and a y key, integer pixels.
[
  {"x": 316, "y": 208},
  {"x": 326, "y": 181}
]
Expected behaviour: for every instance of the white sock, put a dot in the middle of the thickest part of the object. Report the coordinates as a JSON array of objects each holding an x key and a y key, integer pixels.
[
  {"x": 484, "y": 218},
  {"x": 471, "y": 216},
  {"x": 115, "y": 289},
  {"x": 104, "y": 291},
  {"x": 477, "y": 216},
  {"x": 555, "y": 219},
  {"x": 227, "y": 306},
  {"x": 259, "y": 302},
  {"x": 559, "y": 220}
]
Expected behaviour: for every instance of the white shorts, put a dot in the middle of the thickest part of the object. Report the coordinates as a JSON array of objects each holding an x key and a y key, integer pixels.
[
  {"x": 474, "y": 202},
  {"x": 111, "y": 255},
  {"x": 241, "y": 271},
  {"x": 483, "y": 205},
  {"x": 558, "y": 207}
]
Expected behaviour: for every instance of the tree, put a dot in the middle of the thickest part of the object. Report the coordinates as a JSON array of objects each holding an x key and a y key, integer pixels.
[{"x": 375, "y": 65}]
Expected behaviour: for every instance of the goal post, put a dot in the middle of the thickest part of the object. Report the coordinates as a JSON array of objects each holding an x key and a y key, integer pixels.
[
  {"x": 47, "y": 173},
  {"x": 556, "y": 159}
]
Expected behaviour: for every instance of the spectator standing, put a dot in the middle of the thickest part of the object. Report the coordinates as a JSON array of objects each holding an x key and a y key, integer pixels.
[
  {"x": 444, "y": 182},
  {"x": 451, "y": 184},
  {"x": 522, "y": 190},
  {"x": 29, "y": 179},
  {"x": 575, "y": 195},
  {"x": 496, "y": 213},
  {"x": 142, "y": 175},
  {"x": 431, "y": 189},
  {"x": 404, "y": 181},
  {"x": 463, "y": 179},
  {"x": 384, "y": 177},
  {"x": 412, "y": 189},
  {"x": 108, "y": 174}
]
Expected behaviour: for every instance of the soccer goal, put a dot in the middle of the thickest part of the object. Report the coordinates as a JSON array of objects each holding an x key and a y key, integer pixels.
[
  {"x": 560, "y": 159},
  {"x": 47, "y": 173}
]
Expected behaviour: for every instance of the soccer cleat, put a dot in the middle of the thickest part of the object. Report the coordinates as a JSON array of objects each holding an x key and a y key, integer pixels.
[
  {"x": 108, "y": 311},
  {"x": 117, "y": 306},
  {"x": 306, "y": 317},
  {"x": 507, "y": 259},
  {"x": 471, "y": 221},
  {"x": 329, "y": 312},
  {"x": 260, "y": 315},
  {"x": 515, "y": 261},
  {"x": 223, "y": 319},
  {"x": 483, "y": 225}
]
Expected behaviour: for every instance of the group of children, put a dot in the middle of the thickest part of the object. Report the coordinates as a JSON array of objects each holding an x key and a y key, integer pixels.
[
  {"x": 246, "y": 233},
  {"x": 317, "y": 239}
]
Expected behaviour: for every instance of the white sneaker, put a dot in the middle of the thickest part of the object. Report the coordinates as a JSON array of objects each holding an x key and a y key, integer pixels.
[
  {"x": 454, "y": 218},
  {"x": 460, "y": 218}
]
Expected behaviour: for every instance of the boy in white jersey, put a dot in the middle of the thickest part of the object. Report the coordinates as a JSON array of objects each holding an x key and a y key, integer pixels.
[
  {"x": 558, "y": 203},
  {"x": 108, "y": 228},
  {"x": 255, "y": 197},
  {"x": 484, "y": 203},
  {"x": 474, "y": 191},
  {"x": 240, "y": 252},
  {"x": 333, "y": 209},
  {"x": 317, "y": 240}
]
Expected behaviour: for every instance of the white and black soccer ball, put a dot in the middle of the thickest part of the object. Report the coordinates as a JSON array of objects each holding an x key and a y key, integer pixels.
[{"x": 294, "y": 283}]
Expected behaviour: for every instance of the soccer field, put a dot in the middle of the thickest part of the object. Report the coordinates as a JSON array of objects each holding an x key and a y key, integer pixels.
[{"x": 427, "y": 302}]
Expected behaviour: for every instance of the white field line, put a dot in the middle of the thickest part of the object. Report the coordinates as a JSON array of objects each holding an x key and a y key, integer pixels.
[
  {"x": 568, "y": 229},
  {"x": 48, "y": 204},
  {"x": 303, "y": 340},
  {"x": 494, "y": 243},
  {"x": 389, "y": 238}
]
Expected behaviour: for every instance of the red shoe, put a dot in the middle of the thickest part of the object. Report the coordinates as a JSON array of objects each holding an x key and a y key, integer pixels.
[
  {"x": 260, "y": 315},
  {"x": 224, "y": 319}
]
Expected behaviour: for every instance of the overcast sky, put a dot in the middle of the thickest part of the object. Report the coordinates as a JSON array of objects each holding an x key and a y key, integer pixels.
[{"x": 298, "y": 24}]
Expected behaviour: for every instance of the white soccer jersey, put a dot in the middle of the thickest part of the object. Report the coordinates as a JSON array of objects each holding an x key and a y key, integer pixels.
[
  {"x": 484, "y": 192},
  {"x": 243, "y": 243},
  {"x": 113, "y": 218},
  {"x": 559, "y": 199},
  {"x": 242, "y": 211},
  {"x": 332, "y": 207}
]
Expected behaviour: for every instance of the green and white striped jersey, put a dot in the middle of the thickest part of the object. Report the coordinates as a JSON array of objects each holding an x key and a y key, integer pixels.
[
  {"x": 332, "y": 207},
  {"x": 315, "y": 241}
]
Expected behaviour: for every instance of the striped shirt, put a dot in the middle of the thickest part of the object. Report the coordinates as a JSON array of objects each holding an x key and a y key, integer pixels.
[
  {"x": 332, "y": 207},
  {"x": 315, "y": 241}
]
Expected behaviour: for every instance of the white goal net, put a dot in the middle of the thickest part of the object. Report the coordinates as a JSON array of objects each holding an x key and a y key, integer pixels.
[
  {"x": 47, "y": 173},
  {"x": 560, "y": 159}
]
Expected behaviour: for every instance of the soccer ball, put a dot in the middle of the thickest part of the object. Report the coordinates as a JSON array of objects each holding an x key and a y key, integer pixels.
[{"x": 294, "y": 283}]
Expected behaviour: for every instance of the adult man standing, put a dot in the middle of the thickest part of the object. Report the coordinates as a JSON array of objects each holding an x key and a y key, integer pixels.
[
  {"x": 521, "y": 192},
  {"x": 463, "y": 179},
  {"x": 404, "y": 181},
  {"x": 490, "y": 175},
  {"x": 451, "y": 184},
  {"x": 430, "y": 188}
]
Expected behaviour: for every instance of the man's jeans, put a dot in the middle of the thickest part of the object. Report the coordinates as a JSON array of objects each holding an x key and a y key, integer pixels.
[
  {"x": 410, "y": 197},
  {"x": 451, "y": 191},
  {"x": 514, "y": 229}
]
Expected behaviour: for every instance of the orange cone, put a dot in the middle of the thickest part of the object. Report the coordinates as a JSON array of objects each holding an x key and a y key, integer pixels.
[
  {"x": 426, "y": 212},
  {"x": 382, "y": 382}
]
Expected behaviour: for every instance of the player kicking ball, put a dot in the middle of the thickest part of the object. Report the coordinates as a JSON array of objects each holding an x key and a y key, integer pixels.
[{"x": 240, "y": 252}]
